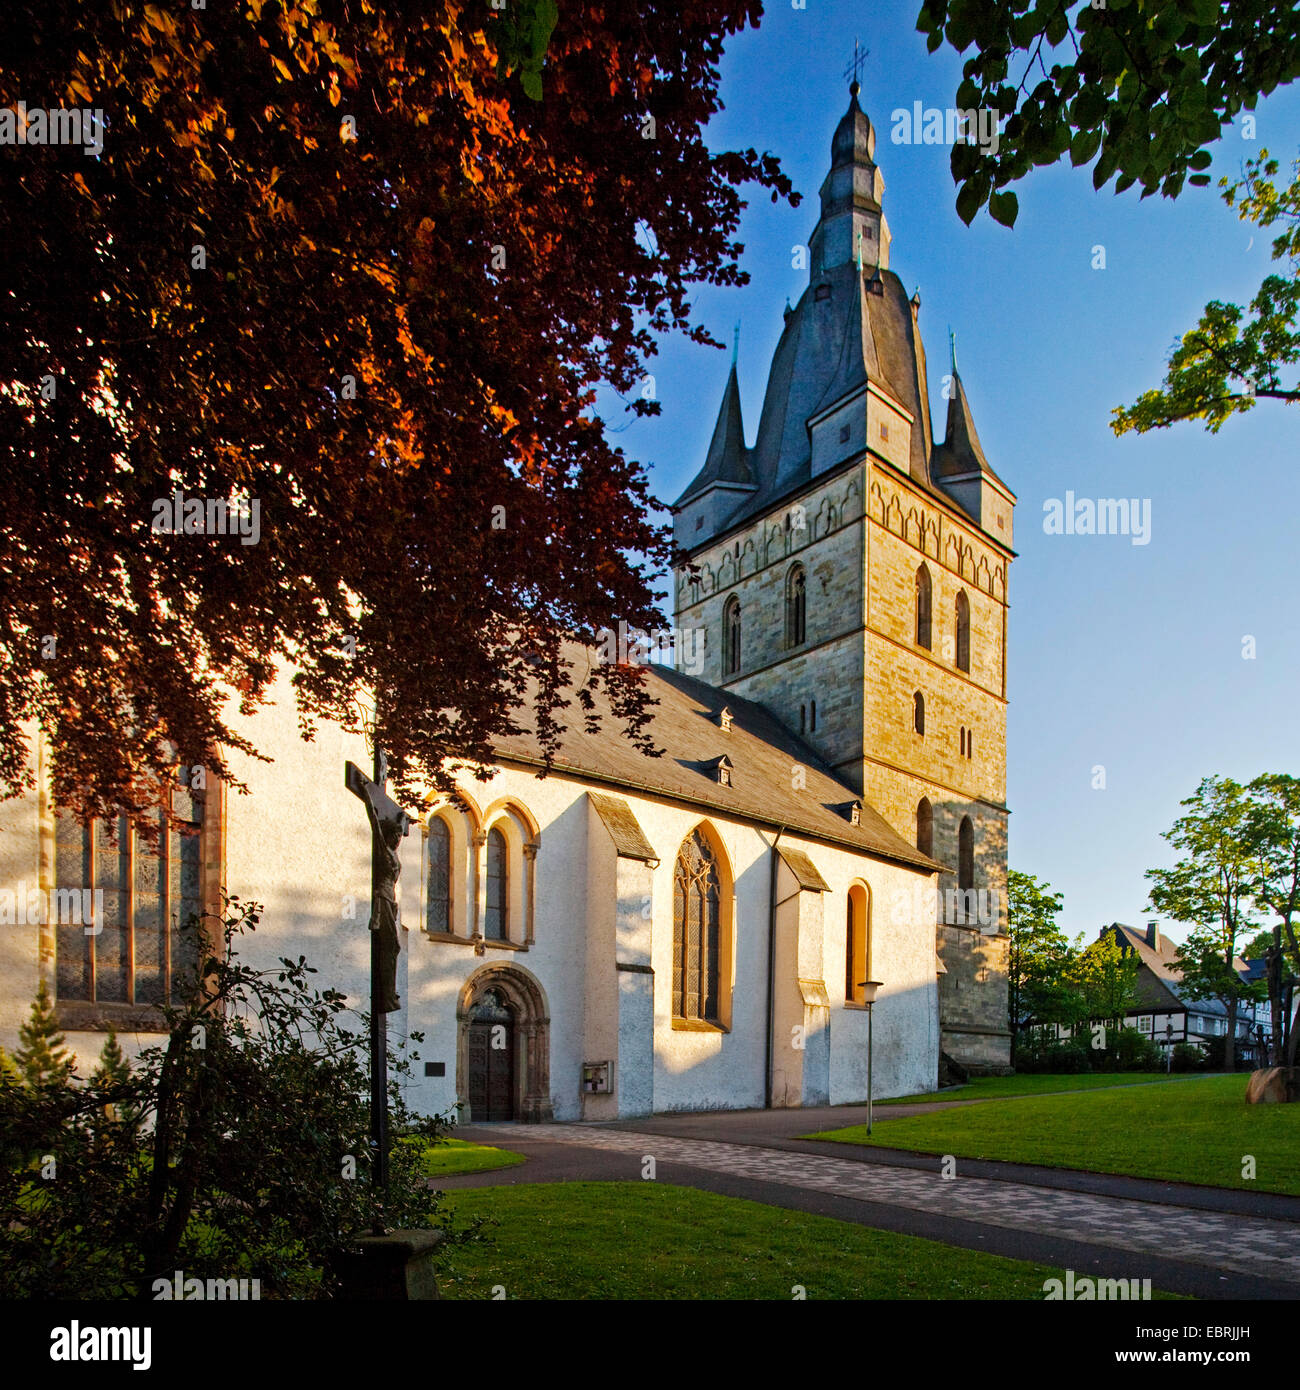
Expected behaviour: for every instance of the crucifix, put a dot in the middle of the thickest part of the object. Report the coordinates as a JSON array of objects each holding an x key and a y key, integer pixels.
[
  {"x": 388, "y": 824},
  {"x": 854, "y": 69}
]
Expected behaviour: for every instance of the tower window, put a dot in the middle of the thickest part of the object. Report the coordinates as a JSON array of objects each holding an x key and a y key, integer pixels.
[
  {"x": 844, "y": 434},
  {"x": 803, "y": 719},
  {"x": 925, "y": 827},
  {"x": 821, "y": 292},
  {"x": 731, "y": 637},
  {"x": 796, "y": 606},
  {"x": 884, "y": 430},
  {"x": 966, "y": 855},
  {"x": 963, "y": 632},
  {"x": 923, "y": 589},
  {"x": 963, "y": 741},
  {"x": 918, "y": 713},
  {"x": 813, "y": 714}
]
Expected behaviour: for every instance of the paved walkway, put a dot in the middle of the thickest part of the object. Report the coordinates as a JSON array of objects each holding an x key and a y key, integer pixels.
[{"x": 1208, "y": 1242}]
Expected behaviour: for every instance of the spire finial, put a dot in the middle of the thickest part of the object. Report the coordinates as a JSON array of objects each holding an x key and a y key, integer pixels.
[
  {"x": 735, "y": 343},
  {"x": 854, "y": 69},
  {"x": 952, "y": 349}
]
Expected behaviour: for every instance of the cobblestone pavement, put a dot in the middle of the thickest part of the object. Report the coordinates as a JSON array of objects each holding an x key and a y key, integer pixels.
[{"x": 1247, "y": 1244}]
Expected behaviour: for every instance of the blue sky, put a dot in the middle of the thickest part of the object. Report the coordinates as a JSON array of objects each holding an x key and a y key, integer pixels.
[{"x": 1121, "y": 655}]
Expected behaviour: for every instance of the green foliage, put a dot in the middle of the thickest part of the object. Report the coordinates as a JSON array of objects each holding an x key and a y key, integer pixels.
[
  {"x": 1221, "y": 368},
  {"x": 523, "y": 30},
  {"x": 254, "y": 1157},
  {"x": 1141, "y": 87},
  {"x": 1223, "y": 839},
  {"x": 1105, "y": 978},
  {"x": 1038, "y": 955},
  {"x": 42, "y": 1057},
  {"x": 1038, "y": 1052},
  {"x": 1187, "y": 1057}
]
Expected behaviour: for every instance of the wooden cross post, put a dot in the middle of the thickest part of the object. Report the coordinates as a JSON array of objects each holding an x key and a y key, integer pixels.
[{"x": 388, "y": 824}]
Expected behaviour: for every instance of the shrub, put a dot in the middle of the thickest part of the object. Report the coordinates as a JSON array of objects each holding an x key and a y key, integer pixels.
[
  {"x": 237, "y": 1149},
  {"x": 1187, "y": 1057}
]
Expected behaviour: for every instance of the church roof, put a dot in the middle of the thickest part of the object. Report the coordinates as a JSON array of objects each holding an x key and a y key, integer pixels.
[
  {"x": 765, "y": 758},
  {"x": 961, "y": 450},
  {"x": 853, "y": 323},
  {"x": 727, "y": 459}
]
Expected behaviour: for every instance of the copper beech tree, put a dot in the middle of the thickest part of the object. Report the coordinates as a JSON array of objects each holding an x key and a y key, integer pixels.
[{"x": 360, "y": 268}]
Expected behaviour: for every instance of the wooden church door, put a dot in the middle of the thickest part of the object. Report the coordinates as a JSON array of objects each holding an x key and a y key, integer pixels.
[{"x": 491, "y": 1060}]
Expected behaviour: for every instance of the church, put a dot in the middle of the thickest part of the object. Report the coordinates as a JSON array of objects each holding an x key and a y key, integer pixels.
[{"x": 628, "y": 935}]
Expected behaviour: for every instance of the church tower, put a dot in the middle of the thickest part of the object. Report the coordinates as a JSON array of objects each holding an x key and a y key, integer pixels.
[{"x": 850, "y": 573}]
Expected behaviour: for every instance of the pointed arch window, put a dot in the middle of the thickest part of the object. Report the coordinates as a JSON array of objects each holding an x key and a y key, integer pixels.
[
  {"x": 438, "y": 898},
  {"x": 697, "y": 932},
  {"x": 796, "y": 600},
  {"x": 925, "y": 827},
  {"x": 495, "y": 923},
  {"x": 731, "y": 637},
  {"x": 923, "y": 597},
  {"x": 963, "y": 632},
  {"x": 918, "y": 713},
  {"x": 966, "y": 855},
  {"x": 857, "y": 945}
]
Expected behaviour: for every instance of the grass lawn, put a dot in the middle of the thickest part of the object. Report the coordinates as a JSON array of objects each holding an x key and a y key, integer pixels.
[
  {"x": 450, "y": 1156},
  {"x": 1198, "y": 1131},
  {"x": 626, "y": 1240},
  {"x": 991, "y": 1087}
]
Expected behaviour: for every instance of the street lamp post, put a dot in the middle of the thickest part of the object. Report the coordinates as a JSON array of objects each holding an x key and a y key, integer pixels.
[
  {"x": 869, "y": 988},
  {"x": 1169, "y": 1046}
]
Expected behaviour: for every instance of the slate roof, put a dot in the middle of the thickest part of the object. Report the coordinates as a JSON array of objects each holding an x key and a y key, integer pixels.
[
  {"x": 830, "y": 348},
  {"x": 764, "y": 755},
  {"x": 1159, "y": 983},
  {"x": 728, "y": 459}
]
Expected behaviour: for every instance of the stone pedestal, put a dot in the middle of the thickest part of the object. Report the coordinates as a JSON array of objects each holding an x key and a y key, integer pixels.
[
  {"x": 396, "y": 1267},
  {"x": 1273, "y": 1085}
]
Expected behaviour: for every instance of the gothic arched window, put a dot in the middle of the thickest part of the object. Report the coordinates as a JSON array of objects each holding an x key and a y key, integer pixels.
[
  {"x": 697, "y": 932},
  {"x": 796, "y": 599},
  {"x": 494, "y": 917},
  {"x": 438, "y": 898},
  {"x": 923, "y": 607},
  {"x": 857, "y": 945},
  {"x": 918, "y": 712},
  {"x": 963, "y": 632},
  {"x": 966, "y": 855},
  {"x": 731, "y": 637},
  {"x": 925, "y": 827}
]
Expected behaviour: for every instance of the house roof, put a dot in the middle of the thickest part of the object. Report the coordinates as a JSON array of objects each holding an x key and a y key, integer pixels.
[
  {"x": 1159, "y": 983},
  {"x": 777, "y": 779}
]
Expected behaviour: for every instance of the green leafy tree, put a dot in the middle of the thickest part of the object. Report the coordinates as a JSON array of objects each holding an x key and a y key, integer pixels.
[
  {"x": 1039, "y": 953},
  {"x": 43, "y": 1058},
  {"x": 1139, "y": 86},
  {"x": 1222, "y": 368},
  {"x": 1104, "y": 977},
  {"x": 1221, "y": 840},
  {"x": 1276, "y": 797}
]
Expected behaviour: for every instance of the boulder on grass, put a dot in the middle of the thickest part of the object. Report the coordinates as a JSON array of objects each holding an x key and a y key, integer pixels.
[{"x": 1273, "y": 1085}]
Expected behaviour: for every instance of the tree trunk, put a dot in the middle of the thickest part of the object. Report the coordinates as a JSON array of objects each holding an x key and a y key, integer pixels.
[{"x": 1230, "y": 1047}]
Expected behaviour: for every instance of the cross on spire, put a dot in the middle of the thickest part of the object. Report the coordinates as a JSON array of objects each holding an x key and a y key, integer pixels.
[
  {"x": 854, "y": 69},
  {"x": 735, "y": 343}
]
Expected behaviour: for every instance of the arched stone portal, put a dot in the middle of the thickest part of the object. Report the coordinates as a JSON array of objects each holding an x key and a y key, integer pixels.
[{"x": 526, "y": 1020}]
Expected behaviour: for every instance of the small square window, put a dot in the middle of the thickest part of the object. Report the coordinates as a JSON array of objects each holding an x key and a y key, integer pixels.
[
  {"x": 699, "y": 523},
  {"x": 844, "y": 434},
  {"x": 884, "y": 430},
  {"x": 822, "y": 292}
]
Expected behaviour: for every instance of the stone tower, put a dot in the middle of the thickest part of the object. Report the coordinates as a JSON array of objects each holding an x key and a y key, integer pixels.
[{"x": 850, "y": 573}]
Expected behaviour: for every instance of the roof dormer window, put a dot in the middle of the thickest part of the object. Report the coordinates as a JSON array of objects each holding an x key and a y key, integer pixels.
[
  {"x": 722, "y": 768},
  {"x": 724, "y": 720}
]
